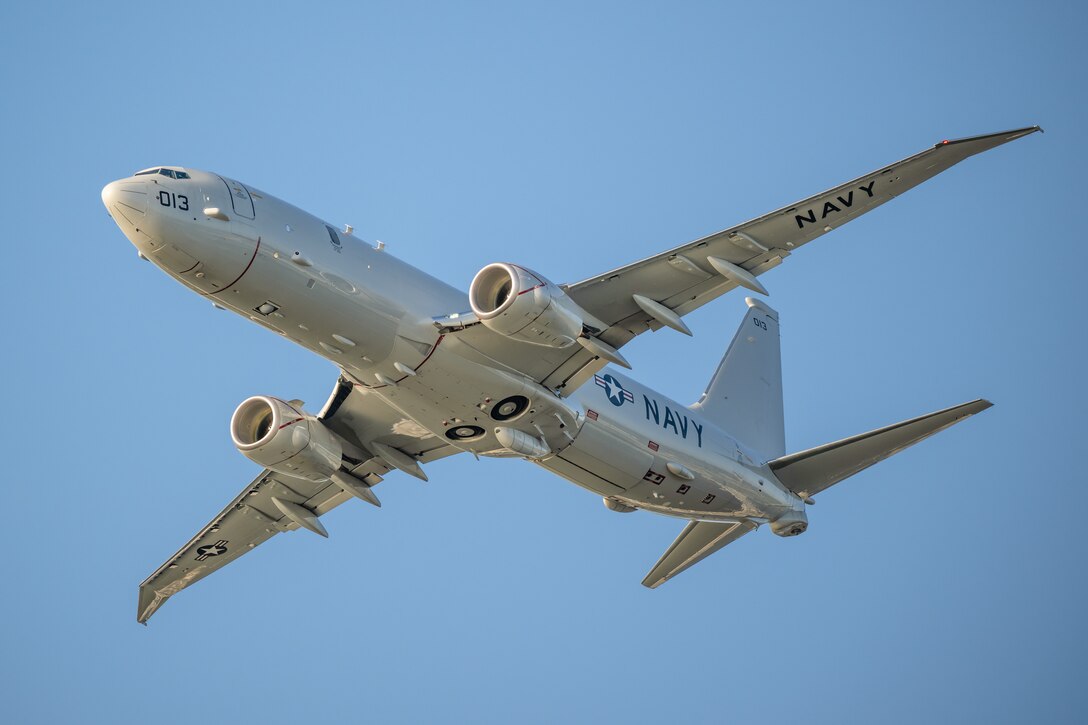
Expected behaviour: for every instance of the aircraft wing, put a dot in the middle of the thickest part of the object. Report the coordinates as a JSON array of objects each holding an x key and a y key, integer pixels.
[
  {"x": 253, "y": 517},
  {"x": 684, "y": 278},
  {"x": 697, "y": 541}
]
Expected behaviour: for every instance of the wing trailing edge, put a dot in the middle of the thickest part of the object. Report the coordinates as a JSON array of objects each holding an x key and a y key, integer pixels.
[{"x": 807, "y": 473}]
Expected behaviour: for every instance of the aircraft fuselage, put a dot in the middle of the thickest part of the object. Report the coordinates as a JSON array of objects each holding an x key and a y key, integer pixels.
[{"x": 374, "y": 317}]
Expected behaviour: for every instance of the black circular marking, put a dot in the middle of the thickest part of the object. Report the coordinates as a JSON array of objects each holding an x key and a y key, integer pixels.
[
  {"x": 509, "y": 408},
  {"x": 464, "y": 432}
]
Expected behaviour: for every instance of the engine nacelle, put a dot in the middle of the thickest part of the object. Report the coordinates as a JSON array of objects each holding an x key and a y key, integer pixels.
[
  {"x": 521, "y": 304},
  {"x": 285, "y": 439}
]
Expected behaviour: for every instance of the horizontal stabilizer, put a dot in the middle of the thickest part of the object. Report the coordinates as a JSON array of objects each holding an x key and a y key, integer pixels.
[
  {"x": 697, "y": 541},
  {"x": 809, "y": 472}
]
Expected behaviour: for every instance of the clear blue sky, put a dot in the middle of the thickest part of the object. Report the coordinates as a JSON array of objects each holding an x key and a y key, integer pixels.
[{"x": 945, "y": 585}]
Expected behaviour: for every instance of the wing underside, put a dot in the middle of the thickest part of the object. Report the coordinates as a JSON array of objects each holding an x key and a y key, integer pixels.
[
  {"x": 684, "y": 278},
  {"x": 253, "y": 516}
]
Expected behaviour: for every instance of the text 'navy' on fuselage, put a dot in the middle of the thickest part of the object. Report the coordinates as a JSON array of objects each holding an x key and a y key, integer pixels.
[{"x": 677, "y": 421}]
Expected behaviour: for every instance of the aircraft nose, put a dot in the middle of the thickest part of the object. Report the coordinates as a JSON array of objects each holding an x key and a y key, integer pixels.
[{"x": 126, "y": 198}]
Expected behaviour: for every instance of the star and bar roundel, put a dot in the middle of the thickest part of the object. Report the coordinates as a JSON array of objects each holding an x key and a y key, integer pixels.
[
  {"x": 614, "y": 390},
  {"x": 219, "y": 547}
]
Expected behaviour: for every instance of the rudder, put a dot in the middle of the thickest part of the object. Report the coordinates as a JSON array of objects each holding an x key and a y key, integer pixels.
[{"x": 744, "y": 398}]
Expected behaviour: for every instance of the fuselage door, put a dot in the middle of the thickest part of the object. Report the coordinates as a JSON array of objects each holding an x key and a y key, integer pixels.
[{"x": 239, "y": 197}]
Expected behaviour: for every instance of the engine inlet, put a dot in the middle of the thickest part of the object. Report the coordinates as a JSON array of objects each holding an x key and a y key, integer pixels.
[{"x": 252, "y": 423}]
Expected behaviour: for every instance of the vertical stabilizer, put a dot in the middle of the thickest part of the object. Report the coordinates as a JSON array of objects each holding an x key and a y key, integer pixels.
[{"x": 744, "y": 397}]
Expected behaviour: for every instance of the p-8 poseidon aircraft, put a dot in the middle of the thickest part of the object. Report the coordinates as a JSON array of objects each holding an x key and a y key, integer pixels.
[{"x": 518, "y": 366}]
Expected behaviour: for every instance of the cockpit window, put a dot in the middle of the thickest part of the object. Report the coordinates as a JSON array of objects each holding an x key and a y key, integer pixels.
[{"x": 164, "y": 172}]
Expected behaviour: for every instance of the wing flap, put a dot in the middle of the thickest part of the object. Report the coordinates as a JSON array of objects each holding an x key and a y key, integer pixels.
[
  {"x": 697, "y": 541},
  {"x": 809, "y": 472}
]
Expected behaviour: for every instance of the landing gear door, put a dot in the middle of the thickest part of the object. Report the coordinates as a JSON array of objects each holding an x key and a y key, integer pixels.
[{"x": 239, "y": 197}]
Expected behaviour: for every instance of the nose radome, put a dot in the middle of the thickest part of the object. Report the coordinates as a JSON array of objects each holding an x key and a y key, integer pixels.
[
  {"x": 127, "y": 197},
  {"x": 109, "y": 193}
]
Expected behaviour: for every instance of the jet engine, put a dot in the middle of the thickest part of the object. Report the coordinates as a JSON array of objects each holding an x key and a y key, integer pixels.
[
  {"x": 285, "y": 439},
  {"x": 521, "y": 304}
]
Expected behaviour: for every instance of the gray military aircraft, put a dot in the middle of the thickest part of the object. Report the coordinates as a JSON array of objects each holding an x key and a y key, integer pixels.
[{"x": 515, "y": 367}]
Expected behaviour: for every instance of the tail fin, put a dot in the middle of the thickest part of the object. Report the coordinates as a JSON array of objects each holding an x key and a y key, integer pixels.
[{"x": 744, "y": 397}]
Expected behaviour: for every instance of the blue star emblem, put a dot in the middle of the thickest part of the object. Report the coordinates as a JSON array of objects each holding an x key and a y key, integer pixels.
[{"x": 614, "y": 390}]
